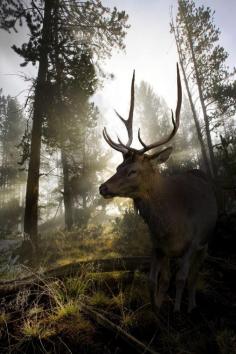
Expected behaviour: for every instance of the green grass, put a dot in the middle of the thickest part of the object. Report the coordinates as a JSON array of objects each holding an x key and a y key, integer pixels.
[
  {"x": 36, "y": 329},
  {"x": 99, "y": 298},
  {"x": 66, "y": 310}
]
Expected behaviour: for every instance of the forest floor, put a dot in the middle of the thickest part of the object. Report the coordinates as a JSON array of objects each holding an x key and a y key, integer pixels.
[{"x": 96, "y": 311}]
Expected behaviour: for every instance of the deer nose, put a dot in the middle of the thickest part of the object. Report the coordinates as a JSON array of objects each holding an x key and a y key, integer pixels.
[{"x": 103, "y": 189}]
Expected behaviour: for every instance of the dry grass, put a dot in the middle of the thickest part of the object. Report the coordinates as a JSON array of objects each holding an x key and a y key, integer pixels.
[
  {"x": 35, "y": 329},
  {"x": 49, "y": 318},
  {"x": 65, "y": 310}
]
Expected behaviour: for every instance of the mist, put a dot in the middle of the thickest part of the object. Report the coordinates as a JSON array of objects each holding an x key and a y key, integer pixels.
[{"x": 117, "y": 156}]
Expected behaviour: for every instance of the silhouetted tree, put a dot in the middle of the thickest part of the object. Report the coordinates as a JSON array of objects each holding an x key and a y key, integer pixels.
[
  {"x": 89, "y": 23},
  {"x": 11, "y": 178},
  {"x": 198, "y": 43},
  {"x": 184, "y": 64}
]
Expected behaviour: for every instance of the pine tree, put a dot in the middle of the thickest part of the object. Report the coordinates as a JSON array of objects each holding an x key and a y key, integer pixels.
[
  {"x": 11, "y": 131},
  {"x": 89, "y": 24},
  {"x": 152, "y": 111},
  {"x": 205, "y": 59},
  {"x": 184, "y": 64},
  {"x": 11, "y": 178}
]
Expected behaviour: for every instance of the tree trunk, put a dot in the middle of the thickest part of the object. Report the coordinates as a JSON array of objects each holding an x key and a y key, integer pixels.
[
  {"x": 84, "y": 201},
  {"x": 195, "y": 117},
  {"x": 84, "y": 195},
  {"x": 205, "y": 116},
  {"x": 32, "y": 188},
  {"x": 67, "y": 196}
]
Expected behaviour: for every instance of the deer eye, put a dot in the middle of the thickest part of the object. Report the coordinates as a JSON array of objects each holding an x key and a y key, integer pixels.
[{"x": 132, "y": 172}]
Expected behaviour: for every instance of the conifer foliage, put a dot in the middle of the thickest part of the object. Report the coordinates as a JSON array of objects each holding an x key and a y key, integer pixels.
[{"x": 57, "y": 29}]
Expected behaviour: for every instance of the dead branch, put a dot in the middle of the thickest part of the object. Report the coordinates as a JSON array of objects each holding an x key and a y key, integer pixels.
[{"x": 116, "y": 330}]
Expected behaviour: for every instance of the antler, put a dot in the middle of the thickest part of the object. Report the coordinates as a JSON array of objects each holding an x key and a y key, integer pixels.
[
  {"x": 128, "y": 124},
  {"x": 174, "y": 121}
]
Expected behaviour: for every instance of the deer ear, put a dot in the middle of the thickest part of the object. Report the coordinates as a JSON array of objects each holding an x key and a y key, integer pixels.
[{"x": 161, "y": 156}]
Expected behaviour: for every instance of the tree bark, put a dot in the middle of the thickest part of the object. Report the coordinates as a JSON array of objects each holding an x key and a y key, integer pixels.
[{"x": 32, "y": 188}]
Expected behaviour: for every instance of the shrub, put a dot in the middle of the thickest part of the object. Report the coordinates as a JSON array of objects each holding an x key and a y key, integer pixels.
[{"x": 132, "y": 236}]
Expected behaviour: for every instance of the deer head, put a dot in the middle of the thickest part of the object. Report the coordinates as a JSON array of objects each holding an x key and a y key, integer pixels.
[{"x": 135, "y": 172}]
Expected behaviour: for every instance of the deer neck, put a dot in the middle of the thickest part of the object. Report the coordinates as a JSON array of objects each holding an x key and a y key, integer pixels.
[{"x": 151, "y": 203}]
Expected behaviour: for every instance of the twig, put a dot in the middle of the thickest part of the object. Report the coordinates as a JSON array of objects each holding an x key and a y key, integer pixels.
[{"x": 117, "y": 330}]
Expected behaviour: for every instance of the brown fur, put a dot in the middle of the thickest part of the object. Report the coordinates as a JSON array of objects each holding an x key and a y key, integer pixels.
[{"x": 179, "y": 210}]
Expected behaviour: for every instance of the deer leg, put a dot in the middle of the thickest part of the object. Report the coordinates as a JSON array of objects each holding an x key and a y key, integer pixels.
[
  {"x": 193, "y": 275},
  {"x": 153, "y": 277},
  {"x": 181, "y": 277},
  {"x": 163, "y": 281}
]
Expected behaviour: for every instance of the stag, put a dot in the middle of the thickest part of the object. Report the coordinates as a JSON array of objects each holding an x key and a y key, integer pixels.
[{"x": 180, "y": 210}]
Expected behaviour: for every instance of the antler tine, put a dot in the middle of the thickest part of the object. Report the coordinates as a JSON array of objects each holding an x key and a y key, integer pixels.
[
  {"x": 120, "y": 142},
  {"x": 179, "y": 100},
  {"x": 174, "y": 121},
  {"x": 129, "y": 122},
  {"x": 121, "y": 118},
  {"x": 114, "y": 145},
  {"x": 139, "y": 138},
  {"x": 110, "y": 141}
]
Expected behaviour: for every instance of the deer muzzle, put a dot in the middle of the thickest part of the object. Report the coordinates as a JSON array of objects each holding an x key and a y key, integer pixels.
[{"x": 105, "y": 192}]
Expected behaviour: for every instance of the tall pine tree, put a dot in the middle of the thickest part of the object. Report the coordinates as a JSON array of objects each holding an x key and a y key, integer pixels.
[
  {"x": 205, "y": 66},
  {"x": 90, "y": 24}
]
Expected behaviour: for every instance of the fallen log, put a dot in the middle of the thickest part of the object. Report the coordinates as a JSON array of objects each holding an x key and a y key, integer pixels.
[
  {"x": 131, "y": 264},
  {"x": 101, "y": 265},
  {"x": 119, "y": 332}
]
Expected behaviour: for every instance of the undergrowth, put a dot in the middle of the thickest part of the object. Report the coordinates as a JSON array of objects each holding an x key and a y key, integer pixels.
[{"x": 50, "y": 318}]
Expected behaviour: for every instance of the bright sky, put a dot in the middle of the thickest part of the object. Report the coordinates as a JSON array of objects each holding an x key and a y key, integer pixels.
[{"x": 150, "y": 50}]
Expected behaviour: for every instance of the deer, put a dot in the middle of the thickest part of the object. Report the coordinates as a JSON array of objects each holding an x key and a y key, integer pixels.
[{"x": 180, "y": 210}]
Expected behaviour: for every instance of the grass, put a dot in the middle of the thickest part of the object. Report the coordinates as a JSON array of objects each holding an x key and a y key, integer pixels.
[
  {"x": 226, "y": 340},
  {"x": 60, "y": 319},
  {"x": 34, "y": 329},
  {"x": 128, "y": 320},
  {"x": 55, "y": 314},
  {"x": 99, "y": 298},
  {"x": 34, "y": 311},
  {"x": 86, "y": 243},
  {"x": 66, "y": 310},
  {"x": 4, "y": 318},
  {"x": 124, "y": 299}
]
